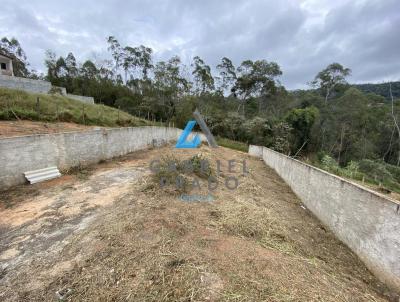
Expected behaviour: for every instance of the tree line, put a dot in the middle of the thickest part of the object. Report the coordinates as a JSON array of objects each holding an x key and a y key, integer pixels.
[{"x": 246, "y": 103}]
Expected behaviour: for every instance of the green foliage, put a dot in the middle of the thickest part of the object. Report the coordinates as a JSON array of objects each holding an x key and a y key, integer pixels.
[
  {"x": 373, "y": 172},
  {"x": 15, "y": 103},
  {"x": 11, "y": 47},
  {"x": 257, "y": 130},
  {"x": 202, "y": 75},
  {"x": 381, "y": 89},
  {"x": 127, "y": 104},
  {"x": 235, "y": 145},
  {"x": 227, "y": 74},
  {"x": 376, "y": 171},
  {"x": 328, "y": 163},
  {"x": 246, "y": 104},
  {"x": 330, "y": 77},
  {"x": 301, "y": 121},
  {"x": 256, "y": 79},
  {"x": 282, "y": 133}
]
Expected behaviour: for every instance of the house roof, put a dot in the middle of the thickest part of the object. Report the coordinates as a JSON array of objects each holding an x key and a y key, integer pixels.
[{"x": 4, "y": 55}]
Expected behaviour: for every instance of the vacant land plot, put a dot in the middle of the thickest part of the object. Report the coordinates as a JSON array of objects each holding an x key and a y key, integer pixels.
[{"x": 111, "y": 233}]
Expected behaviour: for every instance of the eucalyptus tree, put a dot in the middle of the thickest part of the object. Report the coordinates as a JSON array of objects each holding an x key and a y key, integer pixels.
[
  {"x": 130, "y": 61},
  {"x": 202, "y": 75},
  {"x": 89, "y": 70},
  {"x": 169, "y": 83},
  {"x": 70, "y": 64},
  {"x": 227, "y": 74},
  {"x": 145, "y": 60},
  {"x": 256, "y": 79},
  {"x": 116, "y": 51},
  {"x": 13, "y": 49},
  {"x": 330, "y": 77}
]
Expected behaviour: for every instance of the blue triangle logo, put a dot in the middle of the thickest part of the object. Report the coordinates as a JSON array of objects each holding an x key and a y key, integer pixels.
[{"x": 182, "y": 142}]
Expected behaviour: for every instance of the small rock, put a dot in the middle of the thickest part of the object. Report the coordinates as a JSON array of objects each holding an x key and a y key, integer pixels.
[{"x": 64, "y": 293}]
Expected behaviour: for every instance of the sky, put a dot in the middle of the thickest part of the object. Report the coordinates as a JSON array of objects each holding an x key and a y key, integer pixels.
[{"x": 302, "y": 36}]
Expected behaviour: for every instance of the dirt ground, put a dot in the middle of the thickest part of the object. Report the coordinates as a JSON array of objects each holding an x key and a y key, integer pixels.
[
  {"x": 24, "y": 127},
  {"x": 111, "y": 233}
]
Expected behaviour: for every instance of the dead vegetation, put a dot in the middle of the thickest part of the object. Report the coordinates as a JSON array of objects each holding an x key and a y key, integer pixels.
[
  {"x": 256, "y": 243},
  {"x": 180, "y": 174}
]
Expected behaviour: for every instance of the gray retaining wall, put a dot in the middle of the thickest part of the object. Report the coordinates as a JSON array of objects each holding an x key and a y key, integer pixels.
[
  {"x": 367, "y": 222},
  {"x": 65, "y": 150},
  {"x": 84, "y": 99},
  {"x": 29, "y": 85},
  {"x": 39, "y": 86}
]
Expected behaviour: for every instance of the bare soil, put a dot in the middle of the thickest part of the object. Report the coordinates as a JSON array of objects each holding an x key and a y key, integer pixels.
[
  {"x": 25, "y": 127},
  {"x": 111, "y": 233}
]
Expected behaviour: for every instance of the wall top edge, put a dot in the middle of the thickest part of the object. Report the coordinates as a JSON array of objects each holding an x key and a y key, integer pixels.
[
  {"x": 358, "y": 186},
  {"x": 83, "y": 132}
]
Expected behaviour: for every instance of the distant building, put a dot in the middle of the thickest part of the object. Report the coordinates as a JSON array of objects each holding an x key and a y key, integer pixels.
[
  {"x": 8, "y": 80},
  {"x": 6, "y": 67}
]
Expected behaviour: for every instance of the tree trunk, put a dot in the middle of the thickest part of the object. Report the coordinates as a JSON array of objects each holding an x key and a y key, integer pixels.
[
  {"x": 390, "y": 144},
  {"x": 341, "y": 142},
  {"x": 327, "y": 95},
  {"x": 395, "y": 122}
]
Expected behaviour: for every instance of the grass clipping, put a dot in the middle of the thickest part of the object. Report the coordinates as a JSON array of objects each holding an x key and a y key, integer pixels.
[
  {"x": 251, "y": 221},
  {"x": 178, "y": 176}
]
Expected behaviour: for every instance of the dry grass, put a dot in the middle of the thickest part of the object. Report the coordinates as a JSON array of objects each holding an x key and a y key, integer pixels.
[
  {"x": 251, "y": 221},
  {"x": 252, "y": 244},
  {"x": 179, "y": 174}
]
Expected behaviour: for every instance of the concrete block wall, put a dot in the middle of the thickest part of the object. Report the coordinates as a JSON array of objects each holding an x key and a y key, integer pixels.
[
  {"x": 29, "y": 85},
  {"x": 62, "y": 90},
  {"x": 367, "y": 222},
  {"x": 84, "y": 99},
  {"x": 39, "y": 86},
  {"x": 65, "y": 150}
]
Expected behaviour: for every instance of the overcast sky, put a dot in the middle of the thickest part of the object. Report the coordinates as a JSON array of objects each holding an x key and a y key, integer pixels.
[{"x": 301, "y": 36}]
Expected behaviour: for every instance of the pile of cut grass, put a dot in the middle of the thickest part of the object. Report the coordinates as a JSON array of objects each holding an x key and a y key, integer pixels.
[
  {"x": 175, "y": 172},
  {"x": 16, "y": 104},
  {"x": 250, "y": 221}
]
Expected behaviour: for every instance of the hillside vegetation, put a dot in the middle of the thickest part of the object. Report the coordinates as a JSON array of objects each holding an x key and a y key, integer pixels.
[
  {"x": 380, "y": 89},
  {"x": 15, "y": 104},
  {"x": 347, "y": 129}
]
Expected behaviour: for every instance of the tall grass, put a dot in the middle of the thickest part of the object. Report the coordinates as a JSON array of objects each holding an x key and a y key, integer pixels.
[
  {"x": 22, "y": 105},
  {"x": 235, "y": 145},
  {"x": 372, "y": 172}
]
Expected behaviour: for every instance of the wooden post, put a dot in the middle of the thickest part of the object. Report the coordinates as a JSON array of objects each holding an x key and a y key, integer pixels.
[
  {"x": 37, "y": 106},
  {"x": 8, "y": 108},
  {"x": 118, "y": 113},
  {"x": 83, "y": 114},
  {"x": 57, "y": 117}
]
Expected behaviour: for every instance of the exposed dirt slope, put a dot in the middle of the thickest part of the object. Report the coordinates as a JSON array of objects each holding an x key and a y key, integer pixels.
[{"x": 112, "y": 234}]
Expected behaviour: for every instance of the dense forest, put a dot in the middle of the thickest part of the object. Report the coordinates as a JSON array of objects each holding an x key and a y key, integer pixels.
[{"x": 348, "y": 129}]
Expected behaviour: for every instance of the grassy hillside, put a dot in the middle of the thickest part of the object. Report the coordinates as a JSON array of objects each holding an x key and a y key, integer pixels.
[
  {"x": 231, "y": 144},
  {"x": 15, "y": 104}
]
